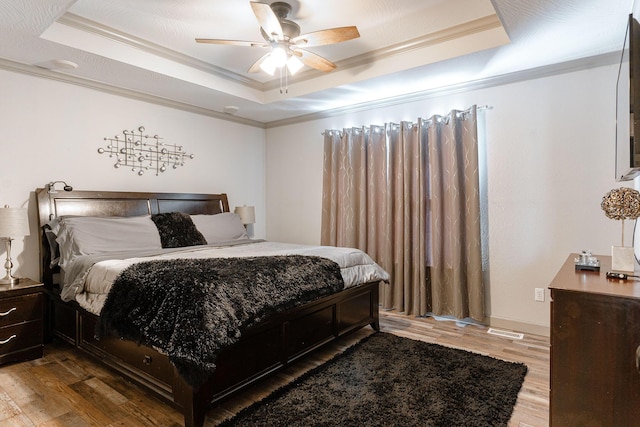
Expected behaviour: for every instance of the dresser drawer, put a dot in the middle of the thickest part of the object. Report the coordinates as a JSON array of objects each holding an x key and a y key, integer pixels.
[
  {"x": 21, "y": 336},
  {"x": 20, "y": 309}
]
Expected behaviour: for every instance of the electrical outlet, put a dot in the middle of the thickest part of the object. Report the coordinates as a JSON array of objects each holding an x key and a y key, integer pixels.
[{"x": 539, "y": 296}]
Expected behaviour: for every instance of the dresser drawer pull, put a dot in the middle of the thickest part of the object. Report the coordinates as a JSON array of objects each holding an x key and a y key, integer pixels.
[
  {"x": 8, "y": 312},
  {"x": 638, "y": 359},
  {"x": 8, "y": 339}
]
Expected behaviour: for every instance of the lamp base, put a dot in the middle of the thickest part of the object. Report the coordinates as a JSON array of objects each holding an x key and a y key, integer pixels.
[
  {"x": 623, "y": 259},
  {"x": 9, "y": 280}
]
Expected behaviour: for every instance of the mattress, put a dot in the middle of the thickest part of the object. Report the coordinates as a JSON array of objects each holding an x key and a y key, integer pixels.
[{"x": 356, "y": 266}]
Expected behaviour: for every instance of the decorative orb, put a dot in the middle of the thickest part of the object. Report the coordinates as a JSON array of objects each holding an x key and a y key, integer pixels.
[
  {"x": 129, "y": 139},
  {"x": 117, "y": 165},
  {"x": 163, "y": 168},
  {"x": 164, "y": 151},
  {"x": 141, "y": 128},
  {"x": 175, "y": 166},
  {"x": 140, "y": 172},
  {"x": 101, "y": 150},
  {"x": 192, "y": 156},
  {"x": 123, "y": 150},
  {"x": 621, "y": 203},
  {"x": 141, "y": 159}
]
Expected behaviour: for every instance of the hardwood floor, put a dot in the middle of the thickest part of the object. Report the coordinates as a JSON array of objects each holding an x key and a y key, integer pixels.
[{"x": 67, "y": 388}]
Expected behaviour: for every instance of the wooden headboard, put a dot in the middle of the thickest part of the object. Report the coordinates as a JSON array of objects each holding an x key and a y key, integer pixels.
[{"x": 115, "y": 203}]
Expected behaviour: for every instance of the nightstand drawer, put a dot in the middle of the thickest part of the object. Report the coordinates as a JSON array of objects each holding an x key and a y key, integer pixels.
[
  {"x": 21, "y": 336},
  {"x": 20, "y": 309}
]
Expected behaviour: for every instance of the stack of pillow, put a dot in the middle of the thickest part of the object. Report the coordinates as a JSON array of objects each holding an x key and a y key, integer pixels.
[{"x": 72, "y": 236}]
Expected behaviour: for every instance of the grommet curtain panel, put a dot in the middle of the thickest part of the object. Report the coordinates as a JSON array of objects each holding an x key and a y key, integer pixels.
[{"x": 408, "y": 194}]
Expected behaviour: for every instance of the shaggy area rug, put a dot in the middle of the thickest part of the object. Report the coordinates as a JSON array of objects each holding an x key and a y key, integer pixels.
[{"x": 386, "y": 380}]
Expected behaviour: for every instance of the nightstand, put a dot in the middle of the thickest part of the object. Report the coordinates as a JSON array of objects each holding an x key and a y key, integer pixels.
[{"x": 21, "y": 321}]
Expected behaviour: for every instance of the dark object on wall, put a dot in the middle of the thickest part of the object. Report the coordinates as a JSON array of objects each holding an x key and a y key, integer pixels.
[{"x": 627, "y": 103}]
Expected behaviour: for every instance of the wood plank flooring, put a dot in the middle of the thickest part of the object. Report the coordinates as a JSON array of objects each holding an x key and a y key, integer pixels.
[{"x": 67, "y": 388}]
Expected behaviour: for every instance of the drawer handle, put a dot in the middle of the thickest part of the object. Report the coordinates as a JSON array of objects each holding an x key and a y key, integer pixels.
[
  {"x": 638, "y": 359},
  {"x": 8, "y": 312},
  {"x": 147, "y": 360},
  {"x": 8, "y": 339}
]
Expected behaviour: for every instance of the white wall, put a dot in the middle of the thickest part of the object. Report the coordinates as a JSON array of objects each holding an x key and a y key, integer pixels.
[
  {"x": 52, "y": 131},
  {"x": 550, "y": 159},
  {"x": 550, "y": 148}
]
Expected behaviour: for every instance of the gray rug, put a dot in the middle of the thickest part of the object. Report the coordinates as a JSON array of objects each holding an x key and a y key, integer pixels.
[{"x": 386, "y": 380}]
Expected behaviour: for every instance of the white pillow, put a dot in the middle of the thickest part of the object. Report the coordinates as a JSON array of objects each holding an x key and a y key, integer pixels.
[
  {"x": 222, "y": 227},
  {"x": 93, "y": 235}
]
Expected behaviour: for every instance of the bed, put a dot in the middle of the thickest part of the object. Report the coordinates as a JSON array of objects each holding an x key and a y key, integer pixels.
[{"x": 261, "y": 350}]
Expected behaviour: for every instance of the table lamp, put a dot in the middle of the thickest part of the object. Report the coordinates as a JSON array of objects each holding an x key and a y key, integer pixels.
[
  {"x": 247, "y": 214},
  {"x": 14, "y": 222}
]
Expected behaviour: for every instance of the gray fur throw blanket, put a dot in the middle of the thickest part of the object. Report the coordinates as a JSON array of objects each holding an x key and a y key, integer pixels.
[{"x": 191, "y": 309}]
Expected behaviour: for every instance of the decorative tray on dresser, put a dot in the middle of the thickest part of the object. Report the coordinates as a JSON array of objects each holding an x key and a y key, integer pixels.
[
  {"x": 595, "y": 348},
  {"x": 21, "y": 321}
]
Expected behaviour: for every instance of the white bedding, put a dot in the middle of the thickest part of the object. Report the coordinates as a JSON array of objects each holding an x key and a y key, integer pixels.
[{"x": 355, "y": 265}]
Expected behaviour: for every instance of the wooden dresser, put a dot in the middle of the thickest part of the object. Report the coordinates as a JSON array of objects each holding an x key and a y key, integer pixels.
[
  {"x": 595, "y": 348},
  {"x": 21, "y": 321}
]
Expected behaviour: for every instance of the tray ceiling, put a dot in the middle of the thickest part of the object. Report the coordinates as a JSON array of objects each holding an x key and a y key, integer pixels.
[{"x": 406, "y": 46}]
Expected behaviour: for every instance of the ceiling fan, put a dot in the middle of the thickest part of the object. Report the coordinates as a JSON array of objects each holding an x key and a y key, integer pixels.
[{"x": 286, "y": 43}]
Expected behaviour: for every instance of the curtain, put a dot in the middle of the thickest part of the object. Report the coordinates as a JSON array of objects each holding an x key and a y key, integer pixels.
[{"x": 407, "y": 194}]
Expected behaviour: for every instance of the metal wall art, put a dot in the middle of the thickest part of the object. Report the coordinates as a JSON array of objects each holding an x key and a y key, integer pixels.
[{"x": 143, "y": 152}]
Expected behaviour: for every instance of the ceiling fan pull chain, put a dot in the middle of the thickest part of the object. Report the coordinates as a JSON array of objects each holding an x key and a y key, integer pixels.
[{"x": 284, "y": 88}]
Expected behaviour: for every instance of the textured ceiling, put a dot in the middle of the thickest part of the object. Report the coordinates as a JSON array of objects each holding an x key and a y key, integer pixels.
[{"x": 406, "y": 46}]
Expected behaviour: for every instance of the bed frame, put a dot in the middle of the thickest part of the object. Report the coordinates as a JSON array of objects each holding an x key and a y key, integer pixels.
[{"x": 262, "y": 351}]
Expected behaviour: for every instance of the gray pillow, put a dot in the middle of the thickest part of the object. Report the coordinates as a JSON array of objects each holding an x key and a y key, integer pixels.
[
  {"x": 84, "y": 235},
  {"x": 222, "y": 227}
]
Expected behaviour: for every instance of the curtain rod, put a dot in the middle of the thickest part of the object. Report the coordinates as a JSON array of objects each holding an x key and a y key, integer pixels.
[{"x": 479, "y": 107}]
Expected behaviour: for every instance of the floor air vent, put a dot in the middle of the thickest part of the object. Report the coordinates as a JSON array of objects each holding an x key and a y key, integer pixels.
[{"x": 506, "y": 334}]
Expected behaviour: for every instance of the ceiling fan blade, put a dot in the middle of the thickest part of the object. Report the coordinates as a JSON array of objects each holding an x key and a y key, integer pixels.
[
  {"x": 268, "y": 20},
  {"x": 255, "y": 68},
  {"x": 233, "y": 42},
  {"x": 324, "y": 37},
  {"x": 314, "y": 61}
]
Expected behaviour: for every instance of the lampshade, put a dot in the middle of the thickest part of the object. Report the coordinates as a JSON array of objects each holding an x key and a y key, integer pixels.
[
  {"x": 294, "y": 64},
  {"x": 14, "y": 222},
  {"x": 268, "y": 65},
  {"x": 279, "y": 56},
  {"x": 247, "y": 214}
]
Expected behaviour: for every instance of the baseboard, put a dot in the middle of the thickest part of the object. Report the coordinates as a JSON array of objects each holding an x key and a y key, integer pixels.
[{"x": 513, "y": 325}]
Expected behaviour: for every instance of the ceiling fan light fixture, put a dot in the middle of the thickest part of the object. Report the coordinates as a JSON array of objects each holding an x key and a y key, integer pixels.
[
  {"x": 294, "y": 65},
  {"x": 279, "y": 56},
  {"x": 268, "y": 65},
  {"x": 286, "y": 43}
]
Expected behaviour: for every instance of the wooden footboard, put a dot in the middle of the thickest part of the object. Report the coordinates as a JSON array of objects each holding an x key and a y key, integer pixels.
[{"x": 262, "y": 351}]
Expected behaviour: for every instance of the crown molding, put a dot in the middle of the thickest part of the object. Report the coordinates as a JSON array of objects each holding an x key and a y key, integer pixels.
[
  {"x": 466, "y": 29},
  {"x": 518, "y": 76},
  {"x": 531, "y": 74},
  {"x": 86, "y": 25},
  {"x": 127, "y": 93},
  {"x": 462, "y": 30}
]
